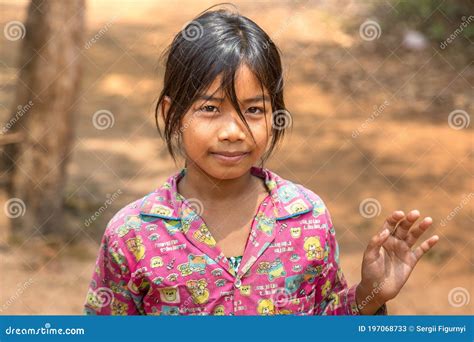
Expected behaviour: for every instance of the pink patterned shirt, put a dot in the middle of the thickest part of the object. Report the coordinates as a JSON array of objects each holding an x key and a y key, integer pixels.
[{"x": 157, "y": 257}]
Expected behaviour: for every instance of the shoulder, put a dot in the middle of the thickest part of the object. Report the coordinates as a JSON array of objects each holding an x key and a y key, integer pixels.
[
  {"x": 319, "y": 210},
  {"x": 128, "y": 215}
]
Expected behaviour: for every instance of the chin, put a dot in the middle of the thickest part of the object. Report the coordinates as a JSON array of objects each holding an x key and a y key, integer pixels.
[{"x": 226, "y": 172}]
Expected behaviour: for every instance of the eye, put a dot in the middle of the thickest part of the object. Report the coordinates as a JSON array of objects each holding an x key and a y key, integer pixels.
[
  {"x": 208, "y": 109},
  {"x": 255, "y": 110}
]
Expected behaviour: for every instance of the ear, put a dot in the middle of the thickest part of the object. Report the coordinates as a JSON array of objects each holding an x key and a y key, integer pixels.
[{"x": 165, "y": 105}]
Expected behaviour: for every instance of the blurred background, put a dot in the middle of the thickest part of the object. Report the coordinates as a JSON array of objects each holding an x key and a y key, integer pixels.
[{"x": 381, "y": 97}]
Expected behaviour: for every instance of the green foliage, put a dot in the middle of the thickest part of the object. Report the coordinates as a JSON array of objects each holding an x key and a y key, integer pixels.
[{"x": 437, "y": 19}]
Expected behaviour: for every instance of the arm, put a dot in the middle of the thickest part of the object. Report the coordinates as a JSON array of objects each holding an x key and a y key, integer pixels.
[
  {"x": 108, "y": 292},
  {"x": 337, "y": 297}
]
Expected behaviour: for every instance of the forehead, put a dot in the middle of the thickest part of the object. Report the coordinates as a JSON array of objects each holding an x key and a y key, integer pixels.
[{"x": 246, "y": 83}]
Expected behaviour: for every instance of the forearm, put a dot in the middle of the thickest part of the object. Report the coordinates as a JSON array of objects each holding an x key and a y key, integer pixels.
[{"x": 368, "y": 302}]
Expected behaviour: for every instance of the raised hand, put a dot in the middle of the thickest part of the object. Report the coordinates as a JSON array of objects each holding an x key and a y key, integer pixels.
[{"x": 390, "y": 258}]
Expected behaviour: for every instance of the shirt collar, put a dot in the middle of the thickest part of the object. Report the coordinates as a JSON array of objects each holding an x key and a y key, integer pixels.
[{"x": 289, "y": 199}]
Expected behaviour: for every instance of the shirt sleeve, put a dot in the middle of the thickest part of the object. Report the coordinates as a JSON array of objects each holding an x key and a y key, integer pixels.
[
  {"x": 109, "y": 292},
  {"x": 337, "y": 297}
]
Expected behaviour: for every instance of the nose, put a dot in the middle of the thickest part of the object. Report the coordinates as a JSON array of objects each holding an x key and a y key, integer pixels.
[{"x": 232, "y": 128}]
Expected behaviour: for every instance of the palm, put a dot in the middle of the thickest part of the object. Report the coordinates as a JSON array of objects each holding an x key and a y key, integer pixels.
[{"x": 389, "y": 260}]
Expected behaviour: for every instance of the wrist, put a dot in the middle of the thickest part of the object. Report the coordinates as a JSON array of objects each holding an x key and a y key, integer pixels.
[{"x": 368, "y": 299}]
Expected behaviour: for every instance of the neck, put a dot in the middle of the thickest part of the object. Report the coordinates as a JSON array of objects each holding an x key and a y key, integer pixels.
[{"x": 197, "y": 184}]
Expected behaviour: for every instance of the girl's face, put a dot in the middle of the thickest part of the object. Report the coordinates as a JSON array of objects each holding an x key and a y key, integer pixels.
[{"x": 214, "y": 136}]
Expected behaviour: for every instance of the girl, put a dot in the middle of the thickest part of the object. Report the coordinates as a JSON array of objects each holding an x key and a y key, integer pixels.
[{"x": 224, "y": 236}]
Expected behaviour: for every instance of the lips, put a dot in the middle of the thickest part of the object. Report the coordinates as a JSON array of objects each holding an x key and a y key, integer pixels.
[{"x": 230, "y": 156}]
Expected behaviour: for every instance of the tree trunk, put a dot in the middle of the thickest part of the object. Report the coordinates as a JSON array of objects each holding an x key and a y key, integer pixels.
[{"x": 47, "y": 92}]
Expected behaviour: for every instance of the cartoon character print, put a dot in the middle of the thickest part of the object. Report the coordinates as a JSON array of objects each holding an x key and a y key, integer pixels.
[
  {"x": 318, "y": 208},
  {"x": 199, "y": 291},
  {"x": 220, "y": 282},
  {"x": 138, "y": 286},
  {"x": 161, "y": 210},
  {"x": 153, "y": 237},
  {"x": 265, "y": 224},
  {"x": 118, "y": 308},
  {"x": 245, "y": 290},
  {"x": 297, "y": 206},
  {"x": 326, "y": 252},
  {"x": 312, "y": 246},
  {"x": 295, "y": 232},
  {"x": 172, "y": 226},
  {"x": 334, "y": 298},
  {"x": 195, "y": 264},
  {"x": 273, "y": 269},
  {"x": 118, "y": 257},
  {"x": 156, "y": 261},
  {"x": 131, "y": 222},
  {"x": 219, "y": 310},
  {"x": 169, "y": 310},
  {"x": 169, "y": 294},
  {"x": 311, "y": 272},
  {"x": 93, "y": 299},
  {"x": 136, "y": 246},
  {"x": 287, "y": 193},
  {"x": 188, "y": 217},
  {"x": 326, "y": 288},
  {"x": 293, "y": 283},
  {"x": 204, "y": 235},
  {"x": 120, "y": 288},
  {"x": 265, "y": 307}
]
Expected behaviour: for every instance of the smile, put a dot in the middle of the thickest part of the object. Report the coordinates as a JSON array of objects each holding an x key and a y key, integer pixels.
[{"x": 231, "y": 158}]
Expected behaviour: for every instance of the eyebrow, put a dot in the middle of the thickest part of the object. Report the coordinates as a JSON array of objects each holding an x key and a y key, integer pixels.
[{"x": 249, "y": 100}]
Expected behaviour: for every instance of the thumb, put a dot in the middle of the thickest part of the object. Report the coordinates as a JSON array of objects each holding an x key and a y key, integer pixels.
[{"x": 376, "y": 242}]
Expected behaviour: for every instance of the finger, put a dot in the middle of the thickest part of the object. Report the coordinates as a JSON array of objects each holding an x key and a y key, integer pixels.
[
  {"x": 417, "y": 231},
  {"x": 393, "y": 219},
  {"x": 373, "y": 248},
  {"x": 425, "y": 247},
  {"x": 401, "y": 231}
]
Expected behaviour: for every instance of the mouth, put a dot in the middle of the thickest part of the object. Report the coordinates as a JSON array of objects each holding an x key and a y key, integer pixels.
[{"x": 230, "y": 157}]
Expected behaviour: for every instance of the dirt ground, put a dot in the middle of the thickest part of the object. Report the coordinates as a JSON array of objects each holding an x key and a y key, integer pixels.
[{"x": 408, "y": 157}]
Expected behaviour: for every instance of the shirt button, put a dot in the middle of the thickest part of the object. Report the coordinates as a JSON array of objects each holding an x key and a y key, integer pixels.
[{"x": 238, "y": 283}]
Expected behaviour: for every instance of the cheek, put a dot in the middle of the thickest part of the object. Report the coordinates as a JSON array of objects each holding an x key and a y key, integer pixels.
[
  {"x": 195, "y": 138},
  {"x": 262, "y": 133}
]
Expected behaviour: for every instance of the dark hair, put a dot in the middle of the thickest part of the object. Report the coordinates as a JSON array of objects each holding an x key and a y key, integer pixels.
[{"x": 217, "y": 43}]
